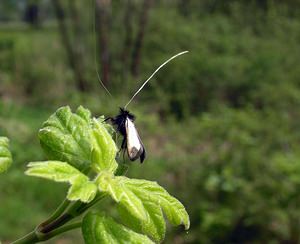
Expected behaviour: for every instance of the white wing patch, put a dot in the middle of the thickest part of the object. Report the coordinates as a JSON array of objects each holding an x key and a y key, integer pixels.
[{"x": 133, "y": 142}]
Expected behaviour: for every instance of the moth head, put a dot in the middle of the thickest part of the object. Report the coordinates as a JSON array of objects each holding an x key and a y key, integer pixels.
[{"x": 125, "y": 113}]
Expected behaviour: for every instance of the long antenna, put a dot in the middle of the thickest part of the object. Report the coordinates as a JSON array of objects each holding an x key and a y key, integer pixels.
[
  {"x": 175, "y": 56},
  {"x": 95, "y": 53}
]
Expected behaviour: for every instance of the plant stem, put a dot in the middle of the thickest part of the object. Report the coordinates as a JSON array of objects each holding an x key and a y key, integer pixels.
[
  {"x": 61, "y": 220},
  {"x": 83, "y": 208},
  {"x": 35, "y": 236},
  {"x": 61, "y": 208},
  {"x": 74, "y": 210},
  {"x": 29, "y": 238},
  {"x": 65, "y": 212},
  {"x": 60, "y": 230}
]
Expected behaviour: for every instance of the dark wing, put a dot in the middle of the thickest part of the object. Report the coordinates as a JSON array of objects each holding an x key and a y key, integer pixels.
[{"x": 143, "y": 153}]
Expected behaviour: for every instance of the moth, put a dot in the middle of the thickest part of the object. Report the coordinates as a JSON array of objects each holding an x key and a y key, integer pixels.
[
  {"x": 124, "y": 122},
  {"x": 132, "y": 143}
]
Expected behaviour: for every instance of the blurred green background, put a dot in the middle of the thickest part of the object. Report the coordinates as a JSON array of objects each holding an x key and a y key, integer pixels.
[{"x": 221, "y": 124}]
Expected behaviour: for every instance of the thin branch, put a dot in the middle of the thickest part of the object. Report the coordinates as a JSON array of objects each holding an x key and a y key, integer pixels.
[
  {"x": 59, "y": 218},
  {"x": 61, "y": 208},
  {"x": 61, "y": 230},
  {"x": 29, "y": 238}
]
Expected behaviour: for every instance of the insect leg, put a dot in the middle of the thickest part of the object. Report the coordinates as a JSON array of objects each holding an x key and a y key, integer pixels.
[
  {"x": 108, "y": 119},
  {"x": 124, "y": 142}
]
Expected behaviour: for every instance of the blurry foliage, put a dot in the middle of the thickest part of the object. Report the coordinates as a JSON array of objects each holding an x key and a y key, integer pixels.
[
  {"x": 230, "y": 59},
  {"x": 237, "y": 170},
  {"x": 221, "y": 124}
]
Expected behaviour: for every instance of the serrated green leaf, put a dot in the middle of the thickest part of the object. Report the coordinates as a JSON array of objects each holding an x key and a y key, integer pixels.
[
  {"x": 104, "y": 148},
  {"x": 81, "y": 188},
  {"x": 84, "y": 191},
  {"x": 119, "y": 192},
  {"x": 79, "y": 140},
  {"x": 97, "y": 228},
  {"x": 143, "y": 203},
  {"x": 84, "y": 113},
  {"x": 5, "y": 154},
  {"x": 65, "y": 136},
  {"x": 155, "y": 226},
  {"x": 151, "y": 191}
]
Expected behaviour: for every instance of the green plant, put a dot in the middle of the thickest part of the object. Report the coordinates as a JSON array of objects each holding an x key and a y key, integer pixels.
[
  {"x": 5, "y": 155},
  {"x": 82, "y": 152}
]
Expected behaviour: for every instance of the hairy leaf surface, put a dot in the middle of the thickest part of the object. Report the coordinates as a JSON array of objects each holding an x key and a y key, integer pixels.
[
  {"x": 65, "y": 136},
  {"x": 142, "y": 204},
  {"x": 104, "y": 148},
  {"x": 154, "y": 226},
  {"x": 97, "y": 228},
  {"x": 79, "y": 140},
  {"x": 81, "y": 188}
]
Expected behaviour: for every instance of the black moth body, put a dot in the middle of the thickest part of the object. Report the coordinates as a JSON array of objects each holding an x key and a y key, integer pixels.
[{"x": 132, "y": 143}]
